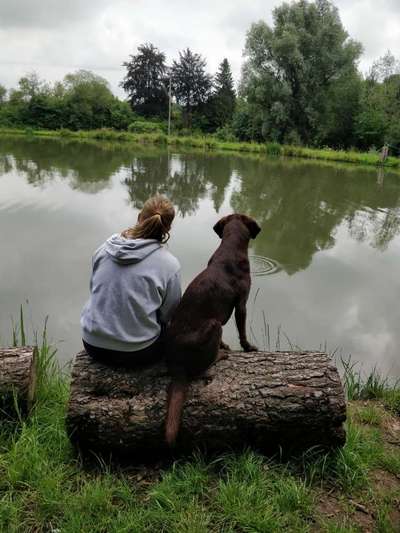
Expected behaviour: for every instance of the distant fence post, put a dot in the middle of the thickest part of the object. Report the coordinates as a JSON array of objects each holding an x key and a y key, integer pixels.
[{"x": 384, "y": 153}]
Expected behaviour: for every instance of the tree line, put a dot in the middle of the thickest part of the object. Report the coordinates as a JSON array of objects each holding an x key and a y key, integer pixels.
[{"x": 300, "y": 84}]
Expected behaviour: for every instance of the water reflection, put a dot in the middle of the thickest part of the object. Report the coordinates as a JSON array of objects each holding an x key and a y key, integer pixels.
[
  {"x": 300, "y": 205},
  {"x": 185, "y": 178},
  {"x": 324, "y": 266},
  {"x": 86, "y": 166}
]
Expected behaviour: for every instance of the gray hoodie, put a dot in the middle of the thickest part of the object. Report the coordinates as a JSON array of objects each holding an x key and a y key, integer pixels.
[{"x": 134, "y": 288}]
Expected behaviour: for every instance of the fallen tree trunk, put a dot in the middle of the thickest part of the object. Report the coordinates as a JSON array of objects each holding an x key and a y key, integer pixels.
[
  {"x": 262, "y": 399},
  {"x": 17, "y": 379}
]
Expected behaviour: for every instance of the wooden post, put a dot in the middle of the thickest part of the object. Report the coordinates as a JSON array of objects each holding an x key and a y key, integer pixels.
[
  {"x": 262, "y": 399},
  {"x": 384, "y": 153},
  {"x": 169, "y": 107}
]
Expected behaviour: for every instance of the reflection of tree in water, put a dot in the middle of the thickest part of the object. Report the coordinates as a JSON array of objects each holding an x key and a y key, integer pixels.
[
  {"x": 388, "y": 229},
  {"x": 300, "y": 206},
  {"x": 6, "y": 163},
  {"x": 218, "y": 170},
  {"x": 380, "y": 226},
  {"x": 87, "y": 166},
  {"x": 184, "y": 179},
  {"x": 145, "y": 177}
]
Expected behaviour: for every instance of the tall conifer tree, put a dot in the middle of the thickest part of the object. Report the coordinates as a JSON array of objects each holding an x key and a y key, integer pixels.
[
  {"x": 224, "y": 97},
  {"x": 191, "y": 83},
  {"x": 145, "y": 81}
]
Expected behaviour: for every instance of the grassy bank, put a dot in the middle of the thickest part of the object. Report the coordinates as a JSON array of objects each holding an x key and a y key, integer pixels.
[
  {"x": 211, "y": 143},
  {"x": 44, "y": 486}
]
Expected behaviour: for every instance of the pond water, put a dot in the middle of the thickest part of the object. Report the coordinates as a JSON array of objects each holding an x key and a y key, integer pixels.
[{"x": 325, "y": 266}]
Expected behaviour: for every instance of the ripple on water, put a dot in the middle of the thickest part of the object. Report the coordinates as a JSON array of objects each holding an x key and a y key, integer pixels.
[{"x": 263, "y": 266}]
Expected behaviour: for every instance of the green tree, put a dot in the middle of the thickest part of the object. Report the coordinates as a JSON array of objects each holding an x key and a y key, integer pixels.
[
  {"x": 3, "y": 94},
  {"x": 29, "y": 104},
  {"x": 379, "y": 115},
  {"x": 337, "y": 124},
  {"x": 30, "y": 87},
  {"x": 191, "y": 83},
  {"x": 145, "y": 81},
  {"x": 246, "y": 122},
  {"x": 82, "y": 101},
  {"x": 88, "y": 102},
  {"x": 224, "y": 97},
  {"x": 292, "y": 67},
  {"x": 384, "y": 67}
]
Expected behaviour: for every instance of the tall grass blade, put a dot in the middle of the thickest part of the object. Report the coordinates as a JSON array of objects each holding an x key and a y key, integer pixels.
[
  {"x": 265, "y": 329},
  {"x": 14, "y": 333},
  {"x": 21, "y": 325}
]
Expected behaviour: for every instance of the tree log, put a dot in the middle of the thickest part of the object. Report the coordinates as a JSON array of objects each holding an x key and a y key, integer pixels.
[
  {"x": 262, "y": 399},
  {"x": 17, "y": 379}
]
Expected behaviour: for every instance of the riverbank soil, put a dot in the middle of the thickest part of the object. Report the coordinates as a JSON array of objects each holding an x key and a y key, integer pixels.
[{"x": 375, "y": 504}]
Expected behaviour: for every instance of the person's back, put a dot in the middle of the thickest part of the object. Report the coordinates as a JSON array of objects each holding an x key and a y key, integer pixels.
[{"x": 134, "y": 288}]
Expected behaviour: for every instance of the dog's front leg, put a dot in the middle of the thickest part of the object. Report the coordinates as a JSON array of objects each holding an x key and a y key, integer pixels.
[{"x": 240, "y": 317}]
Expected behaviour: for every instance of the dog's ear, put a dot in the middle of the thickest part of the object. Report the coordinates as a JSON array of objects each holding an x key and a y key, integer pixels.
[
  {"x": 252, "y": 226},
  {"x": 219, "y": 226}
]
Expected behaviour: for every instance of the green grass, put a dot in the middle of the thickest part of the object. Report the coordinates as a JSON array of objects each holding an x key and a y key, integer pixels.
[
  {"x": 212, "y": 143},
  {"x": 372, "y": 386},
  {"x": 44, "y": 486},
  {"x": 370, "y": 415}
]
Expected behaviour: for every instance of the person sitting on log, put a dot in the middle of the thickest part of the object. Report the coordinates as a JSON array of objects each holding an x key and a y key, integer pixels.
[{"x": 134, "y": 288}]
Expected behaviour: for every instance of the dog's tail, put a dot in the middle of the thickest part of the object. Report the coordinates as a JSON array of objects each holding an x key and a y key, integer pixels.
[
  {"x": 209, "y": 341},
  {"x": 177, "y": 393}
]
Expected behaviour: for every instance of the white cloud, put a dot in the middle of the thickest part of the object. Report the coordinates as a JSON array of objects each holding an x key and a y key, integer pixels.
[{"x": 47, "y": 13}]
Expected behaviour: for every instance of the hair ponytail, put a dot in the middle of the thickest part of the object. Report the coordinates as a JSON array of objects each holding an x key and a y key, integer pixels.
[{"x": 154, "y": 220}]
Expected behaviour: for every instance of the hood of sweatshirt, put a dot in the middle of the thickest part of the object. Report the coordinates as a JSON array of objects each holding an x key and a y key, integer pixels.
[{"x": 126, "y": 251}]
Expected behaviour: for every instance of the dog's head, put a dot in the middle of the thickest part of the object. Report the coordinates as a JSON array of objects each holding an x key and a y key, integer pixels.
[{"x": 250, "y": 223}]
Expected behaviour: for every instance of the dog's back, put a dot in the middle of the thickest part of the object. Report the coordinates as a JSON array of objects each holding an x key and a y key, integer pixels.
[{"x": 194, "y": 334}]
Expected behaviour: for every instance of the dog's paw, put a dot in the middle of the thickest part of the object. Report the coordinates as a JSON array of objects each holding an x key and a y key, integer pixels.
[
  {"x": 247, "y": 347},
  {"x": 222, "y": 356},
  {"x": 224, "y": 346}
]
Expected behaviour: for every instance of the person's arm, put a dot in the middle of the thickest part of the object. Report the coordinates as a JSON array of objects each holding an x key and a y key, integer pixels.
[{"x": 171, "y": 299}]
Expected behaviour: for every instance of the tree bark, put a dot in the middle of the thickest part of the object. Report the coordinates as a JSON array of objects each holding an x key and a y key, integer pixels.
[
  {"x": 17, "y": 379},
  {"x": 262, "y": 399}
]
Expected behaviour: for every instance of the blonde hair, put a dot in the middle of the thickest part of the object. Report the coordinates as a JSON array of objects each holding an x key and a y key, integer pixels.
[{"x": 154, "y": 220}]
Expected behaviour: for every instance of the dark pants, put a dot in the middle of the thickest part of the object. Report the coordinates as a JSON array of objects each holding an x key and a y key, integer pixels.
[{"x": 148, "y": 356}]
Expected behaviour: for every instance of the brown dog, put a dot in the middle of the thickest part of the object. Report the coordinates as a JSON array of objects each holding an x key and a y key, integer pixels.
[{"x": 194, "y": 335}]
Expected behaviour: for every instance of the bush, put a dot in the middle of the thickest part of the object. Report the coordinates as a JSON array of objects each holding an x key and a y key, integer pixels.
[
  {"x": 143, "y": 126},
  {"x": 64, "y": 132},
  {"x": 210, "y": 143},
  {"x": 273, "y": 148},
  {"x": 226, "y": 134}
]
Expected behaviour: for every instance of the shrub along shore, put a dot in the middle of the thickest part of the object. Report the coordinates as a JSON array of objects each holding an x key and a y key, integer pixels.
[
  {"x": 212, "y": 143},
  {"x": 45, "y": 486}
]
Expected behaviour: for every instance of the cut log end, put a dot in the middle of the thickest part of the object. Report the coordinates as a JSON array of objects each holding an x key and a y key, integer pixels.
[
  {"x": 261, "y": 399},
  {"x": 18, "y": 379}
]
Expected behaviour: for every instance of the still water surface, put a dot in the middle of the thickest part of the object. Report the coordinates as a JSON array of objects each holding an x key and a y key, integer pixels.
[{"x": 325, "y": 266}]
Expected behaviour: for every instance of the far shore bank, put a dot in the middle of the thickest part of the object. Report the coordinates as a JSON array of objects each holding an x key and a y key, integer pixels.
[{"x": 211, "y": 143}]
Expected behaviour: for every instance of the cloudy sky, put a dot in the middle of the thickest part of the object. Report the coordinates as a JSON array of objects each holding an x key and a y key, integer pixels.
[{"x": 54, "y": 37}]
